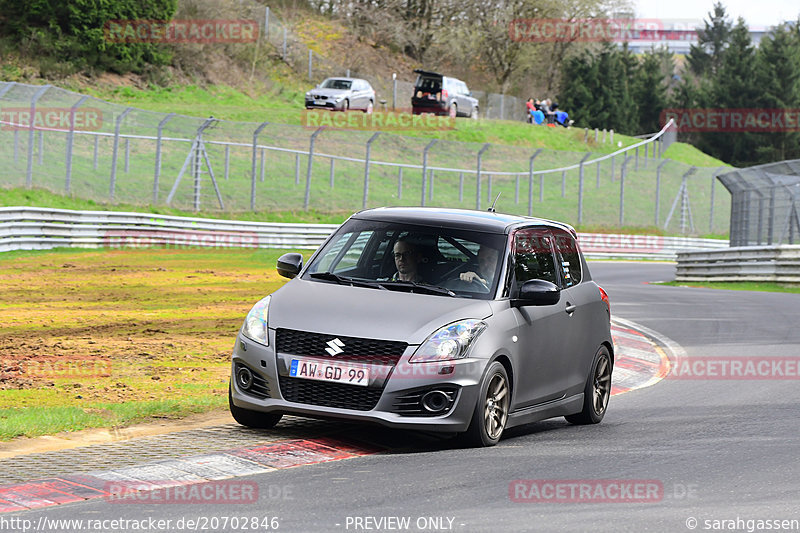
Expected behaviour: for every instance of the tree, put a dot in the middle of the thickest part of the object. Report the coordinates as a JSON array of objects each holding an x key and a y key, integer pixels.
[
  {"x": 705, "y": 58},
  {"x": 649, "y": 91},
  {"x": 74, "y": 30},
  {"x": 778, "y": 79},
  {"x": 735, "y": 87}
]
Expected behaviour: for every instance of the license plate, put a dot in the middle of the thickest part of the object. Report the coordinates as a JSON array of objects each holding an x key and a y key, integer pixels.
[{"x": 328, "y": 371}]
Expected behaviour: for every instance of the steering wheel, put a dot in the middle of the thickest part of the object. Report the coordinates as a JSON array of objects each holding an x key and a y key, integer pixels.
[{"x": 444, "y": 277}]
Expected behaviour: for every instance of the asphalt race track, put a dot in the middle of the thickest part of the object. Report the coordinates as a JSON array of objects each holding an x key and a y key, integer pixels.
[{"x": 702, "y": 447}]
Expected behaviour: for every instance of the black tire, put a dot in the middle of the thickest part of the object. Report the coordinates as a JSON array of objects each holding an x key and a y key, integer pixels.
[
  {"x": 370, "y": 106},
  {"x": 345, "y": 105},
  {"x": 597, "y": 390},
  {"x": 491, "y": 410},
  {"x": 453, "y": 110},
  {"x": 251, "y": 419}
]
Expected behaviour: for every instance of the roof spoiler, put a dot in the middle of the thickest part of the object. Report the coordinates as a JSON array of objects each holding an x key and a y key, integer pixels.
[{"x": 427, "y": 72}]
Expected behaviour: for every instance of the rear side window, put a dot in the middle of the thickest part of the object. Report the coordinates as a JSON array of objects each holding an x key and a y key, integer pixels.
[
  {"x": 567, "y": 251},
  {"x": 533, "y": 256}
]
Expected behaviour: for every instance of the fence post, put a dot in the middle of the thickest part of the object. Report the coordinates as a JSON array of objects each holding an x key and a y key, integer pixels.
[
  {"x": 563, "y": 183},
  {"x": 425, "y": 167},
  {"x": 262, "y": 164},
  {"x": 636, "y": 164},
  {"x": 623, "y": 169},
  {"x": 31, "y": 126},
  {"x": 460, "y": 187},
  {"x": 227, "y": 161},
  {"x": 658, "y": 190},
  {"x": 598, "y": 175},
  {"x": 40, "y": 152},
  {"x": 310, "y": 57},
  {"x": 580, "y": 185},
  {"x": 127, "y": 154},
  {"x": 530, "y": 181},
  {"x": 70, "y": 140},
  {"x": 478, "y": 176},
  {"x": 114, "y": 154},
  {"x": 430, "y": 185},
  {"x": 366, "y": 170},
  {"x": 711, "y": 216},
  {"x": 394, "y": 90},
  {"x": 283, "y": 55},
  {"x": 253, "y": 168},
  {"x": 612, "y": 166},
  {"x": 297, "y": 168},
  {"x": 516, "y": 189},
  {"x": 266, "y": 25},
  {"x": 489, "y": 188},
  {"x": 645, "y": 154},
  {"x": 157, "y": 174},
  {"x": 332, "y": 173},
  {"x": 400, "y": 183},
  {"x": 307, "y": 196}
]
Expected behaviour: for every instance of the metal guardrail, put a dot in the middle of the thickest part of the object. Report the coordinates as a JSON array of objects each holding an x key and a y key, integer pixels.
[
  {"x": 37, "y": 228},
  {"x": 779, "y": 264}
]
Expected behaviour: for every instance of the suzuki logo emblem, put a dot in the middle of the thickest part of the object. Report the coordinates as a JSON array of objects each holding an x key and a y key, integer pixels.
[{"x": 335, "y": 347}]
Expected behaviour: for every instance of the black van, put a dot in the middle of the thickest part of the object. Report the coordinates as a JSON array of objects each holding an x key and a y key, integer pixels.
[{"x": 442, "y": 95}]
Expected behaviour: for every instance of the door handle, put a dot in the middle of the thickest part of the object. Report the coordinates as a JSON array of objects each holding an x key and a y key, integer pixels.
[{"x": 570, "y": 308}]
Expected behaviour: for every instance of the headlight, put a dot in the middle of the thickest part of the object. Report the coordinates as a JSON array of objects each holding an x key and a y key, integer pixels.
[
  {"x": 450, "y": 342},
  {"x": 255, "y": 325}
]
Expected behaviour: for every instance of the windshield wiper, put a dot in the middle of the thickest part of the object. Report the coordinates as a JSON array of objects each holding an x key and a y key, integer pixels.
[
  {"x": 418, "y": 287},
  {"x": 344, "y": 280}
]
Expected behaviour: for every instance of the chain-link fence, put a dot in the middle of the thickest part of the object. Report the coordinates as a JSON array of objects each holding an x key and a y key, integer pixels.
[
  {"x": 106, "y": 152},
  {"x": 765, "y": 204}
]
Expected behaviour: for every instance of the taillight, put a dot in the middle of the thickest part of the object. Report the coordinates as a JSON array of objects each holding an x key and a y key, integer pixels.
[
  {"x": 604, "y": 297},
  {"x": 444, "y": 94}
]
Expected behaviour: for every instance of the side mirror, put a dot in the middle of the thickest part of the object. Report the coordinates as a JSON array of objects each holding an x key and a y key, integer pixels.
[
  {"x": 537, "y": 292},
  {"x": 289, "y": 265}
]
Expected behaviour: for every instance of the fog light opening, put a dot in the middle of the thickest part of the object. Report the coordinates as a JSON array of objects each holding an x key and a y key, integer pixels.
[
  {"x": 244, "y": 378},
  {"x": 435, "y": 401}
]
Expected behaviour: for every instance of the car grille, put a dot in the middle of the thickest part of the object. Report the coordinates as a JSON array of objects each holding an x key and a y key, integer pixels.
[
  {"x": 410, "y": 404},
  {"x": 329, "y": 394},
  {"x": 293, "y": 342},
  {"x": 260, "y": 386}
]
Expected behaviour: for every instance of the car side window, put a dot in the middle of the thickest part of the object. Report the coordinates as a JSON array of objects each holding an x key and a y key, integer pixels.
[
  {"x": 567, "y": 249},
  {"x": 533, "y": 256}
]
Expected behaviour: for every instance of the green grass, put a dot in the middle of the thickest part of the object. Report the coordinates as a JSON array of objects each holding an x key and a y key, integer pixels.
[
  {"x": 281, "y": 175},
  {"x": 37, "y": 421},
  {"x": 760, "y": 286},
  {"x": 143, "y": 333},
  {"x": 285, "y": 106}
]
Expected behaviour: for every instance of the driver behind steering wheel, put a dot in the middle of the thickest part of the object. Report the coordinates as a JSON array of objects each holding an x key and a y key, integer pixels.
[{"x": 487, "y": 263}]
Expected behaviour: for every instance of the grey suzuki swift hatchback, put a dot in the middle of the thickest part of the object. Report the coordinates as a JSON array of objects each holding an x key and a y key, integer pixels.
[{"x": 430, "y": 319}]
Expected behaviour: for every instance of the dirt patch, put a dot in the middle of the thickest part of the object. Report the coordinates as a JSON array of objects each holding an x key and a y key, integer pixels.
[{"x": 96, "y": 327}]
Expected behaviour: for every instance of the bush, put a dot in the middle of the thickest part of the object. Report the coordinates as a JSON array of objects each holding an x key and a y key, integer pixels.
[{"x": 72, "y": 31}]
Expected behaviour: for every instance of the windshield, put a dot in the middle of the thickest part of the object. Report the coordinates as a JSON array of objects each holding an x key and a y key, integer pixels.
[
  {"x": 399, "y": 256},
  {"x": 336, "y": 84}
]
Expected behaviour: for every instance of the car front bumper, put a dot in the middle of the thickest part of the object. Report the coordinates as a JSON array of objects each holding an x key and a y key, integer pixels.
[{"x": 404, "y": 380}]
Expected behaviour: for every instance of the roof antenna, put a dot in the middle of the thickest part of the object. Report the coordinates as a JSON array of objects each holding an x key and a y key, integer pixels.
[{"x": 491, "y": 209}]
